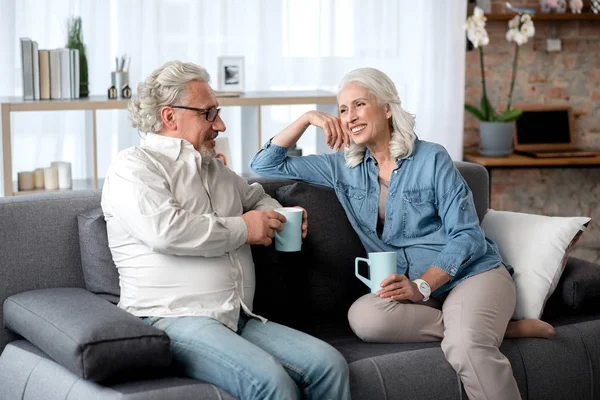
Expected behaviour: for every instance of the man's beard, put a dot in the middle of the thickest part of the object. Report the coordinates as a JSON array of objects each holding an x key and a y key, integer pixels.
[{"x": 207, "y": 154}]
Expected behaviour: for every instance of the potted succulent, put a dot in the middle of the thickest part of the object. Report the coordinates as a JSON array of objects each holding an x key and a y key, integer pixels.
[
  {"x": 75, "y": 41},
  {"x": 496, "y": 128}
]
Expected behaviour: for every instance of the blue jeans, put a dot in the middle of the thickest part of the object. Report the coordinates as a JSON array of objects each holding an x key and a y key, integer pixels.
[{"x": 259, "y": 361}]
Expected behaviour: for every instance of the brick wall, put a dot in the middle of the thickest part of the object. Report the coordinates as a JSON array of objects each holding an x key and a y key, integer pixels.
[{"x": 571, "y": 76}]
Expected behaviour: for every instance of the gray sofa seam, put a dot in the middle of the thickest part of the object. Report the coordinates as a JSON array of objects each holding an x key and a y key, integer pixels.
[
  {"x": 380, "y": 377},
  {"x": 591, "y": 366},
  {"x": 29, "y": 376},
  {"x": 516, "y": 342}
]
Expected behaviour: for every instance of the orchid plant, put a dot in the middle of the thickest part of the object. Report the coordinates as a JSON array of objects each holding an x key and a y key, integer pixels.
[{"x": 520, "y": 30}]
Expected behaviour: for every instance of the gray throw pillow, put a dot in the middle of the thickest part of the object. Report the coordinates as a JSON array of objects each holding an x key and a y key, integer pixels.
[
  {"x": 99, "y": 271},
  {"x": 84, "y": 333},
  {"x": 579, "y": 285}
]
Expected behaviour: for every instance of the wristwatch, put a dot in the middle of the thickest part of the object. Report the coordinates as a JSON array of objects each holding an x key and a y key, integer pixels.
[{"x": 423, "y": 288}]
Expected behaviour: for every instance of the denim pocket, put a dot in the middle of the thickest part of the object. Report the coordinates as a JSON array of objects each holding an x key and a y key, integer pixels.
[
  {"x": 420, "y": 216},
  {"x": 356, "y": 198}
]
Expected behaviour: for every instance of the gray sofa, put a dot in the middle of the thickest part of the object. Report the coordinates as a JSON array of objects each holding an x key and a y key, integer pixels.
[{"x": 57, "y": 285}]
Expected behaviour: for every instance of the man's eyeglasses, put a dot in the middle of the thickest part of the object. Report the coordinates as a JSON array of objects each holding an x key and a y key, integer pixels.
[{"x": 210, "y": 113}]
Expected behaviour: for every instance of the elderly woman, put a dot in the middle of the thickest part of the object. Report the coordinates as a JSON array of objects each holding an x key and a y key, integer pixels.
[{"x": 405, "y": 195}]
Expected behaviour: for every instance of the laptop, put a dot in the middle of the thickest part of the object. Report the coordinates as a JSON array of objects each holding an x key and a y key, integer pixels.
[{"x": 546, "y": 131}]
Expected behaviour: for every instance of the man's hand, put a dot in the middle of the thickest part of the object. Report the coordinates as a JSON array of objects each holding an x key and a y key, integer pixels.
[
  {"x": 262, "y": 226},
  {"x": 399, "y": 287},
  {"x": 304, "y": 222}
]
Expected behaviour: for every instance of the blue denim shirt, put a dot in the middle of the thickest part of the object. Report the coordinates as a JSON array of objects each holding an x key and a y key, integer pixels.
[{"x": 430, "y": 216}]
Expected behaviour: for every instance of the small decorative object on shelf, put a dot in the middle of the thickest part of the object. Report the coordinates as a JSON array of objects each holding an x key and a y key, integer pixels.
[
  {"x": 126, "y": 92},
  {"x": 64, "y": 174},
  {"x": 576, "y": 6},
  {"x": 553, "y": 6},
  {"x": 38, "y": 178},
  {"x": 595, "y": 6},
  {"x": 25, "y": 180},
  {"x": 51, "y": 178},
  {"x": 112, "y": 93},
  {"x": 75, "y": 41}
]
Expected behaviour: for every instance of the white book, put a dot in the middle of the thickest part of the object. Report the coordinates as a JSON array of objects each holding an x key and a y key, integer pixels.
[
  {"x": 36, "y": 70},
  {"x": 74, "y": 54},
  {"x": 44, "y": 56},
  {"x": 65, "y": 73},
  {"x": 27, "y": 68},
  {"x": 55, "y": 85}
]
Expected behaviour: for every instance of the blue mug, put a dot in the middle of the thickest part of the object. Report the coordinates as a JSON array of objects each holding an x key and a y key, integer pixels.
[
  {"x": 290, "y": 238},
  {"x": 381, "y": 265}
]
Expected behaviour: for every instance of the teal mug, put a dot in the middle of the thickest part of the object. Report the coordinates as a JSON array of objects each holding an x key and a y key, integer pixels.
[
  {"x": 290, "y": 238},
  {"x": 381, "y": 265}
]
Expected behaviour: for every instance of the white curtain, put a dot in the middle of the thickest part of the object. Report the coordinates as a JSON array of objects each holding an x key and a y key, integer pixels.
[{"x": 287, "y": 44}]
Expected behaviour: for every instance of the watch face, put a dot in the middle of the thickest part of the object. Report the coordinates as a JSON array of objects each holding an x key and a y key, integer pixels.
[{"x": 424, "y": 287}]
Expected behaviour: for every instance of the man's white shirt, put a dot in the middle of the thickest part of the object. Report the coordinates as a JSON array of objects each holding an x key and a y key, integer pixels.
[{"x": 176, "y": 233}]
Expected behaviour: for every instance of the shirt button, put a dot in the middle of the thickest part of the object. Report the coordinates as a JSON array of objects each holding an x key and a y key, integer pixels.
[
  {"x": 396, "y": 172},
  {"x": 453, "y": 270}
]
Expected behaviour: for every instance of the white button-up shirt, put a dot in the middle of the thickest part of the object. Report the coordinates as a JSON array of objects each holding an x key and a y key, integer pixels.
[{"x": 176, "y": 233}]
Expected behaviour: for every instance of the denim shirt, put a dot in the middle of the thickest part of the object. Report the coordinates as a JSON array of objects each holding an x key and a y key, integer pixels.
[{"x": 430, "y": 216}]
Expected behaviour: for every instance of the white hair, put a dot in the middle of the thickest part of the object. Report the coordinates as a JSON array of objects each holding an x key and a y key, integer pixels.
[
  {"x": 402, "y": 123},
  {"x": 165, "y": 86}
]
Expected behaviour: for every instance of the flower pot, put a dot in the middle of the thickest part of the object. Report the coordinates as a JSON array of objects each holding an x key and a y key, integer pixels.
[{"x": 496, "y": 138}]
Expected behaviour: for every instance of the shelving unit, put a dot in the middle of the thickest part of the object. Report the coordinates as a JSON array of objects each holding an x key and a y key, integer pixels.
[
  {"x": 250, "y": 103},
  {"x": 566, "y": 16}
]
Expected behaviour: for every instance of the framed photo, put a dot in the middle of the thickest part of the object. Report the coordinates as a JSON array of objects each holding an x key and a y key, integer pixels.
[{"x": 231, "y": 74}]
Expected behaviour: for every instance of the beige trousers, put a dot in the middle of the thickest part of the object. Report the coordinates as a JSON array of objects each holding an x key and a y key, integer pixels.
[{"x": 470, "y": 324}]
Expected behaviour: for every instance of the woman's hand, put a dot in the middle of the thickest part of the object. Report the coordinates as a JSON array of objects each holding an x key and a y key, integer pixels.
[
  {"x": 399, "y": 287},
  {"x": 335, "y": 135}
]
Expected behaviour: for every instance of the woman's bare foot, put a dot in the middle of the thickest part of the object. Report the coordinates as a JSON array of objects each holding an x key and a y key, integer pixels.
[{"x": 529, "y": 328}]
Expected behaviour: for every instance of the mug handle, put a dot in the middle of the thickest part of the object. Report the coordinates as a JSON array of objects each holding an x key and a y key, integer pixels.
[{"x": 359, "y": 276}]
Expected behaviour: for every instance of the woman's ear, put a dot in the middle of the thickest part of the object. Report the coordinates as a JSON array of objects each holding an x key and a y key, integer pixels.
[
  {"x": 388, "y": 111},
  {"x": 168, "y": 117}
]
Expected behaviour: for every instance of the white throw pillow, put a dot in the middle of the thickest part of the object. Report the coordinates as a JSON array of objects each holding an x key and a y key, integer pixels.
[{"x": 537, "y": 247}]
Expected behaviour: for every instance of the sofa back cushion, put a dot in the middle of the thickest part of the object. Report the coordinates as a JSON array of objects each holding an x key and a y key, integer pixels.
[{"x": 99, "y": 271}]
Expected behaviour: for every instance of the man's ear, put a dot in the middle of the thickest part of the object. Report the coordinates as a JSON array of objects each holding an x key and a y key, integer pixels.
[{"x": 168, "y": 117}]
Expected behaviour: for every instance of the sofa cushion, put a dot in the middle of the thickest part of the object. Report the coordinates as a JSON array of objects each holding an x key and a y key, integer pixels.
[
  {"x": 84, "y": 333},
  {"x": 99, "y": 271},
  {"x": 327, "y": 255},
  {"x": 537, "y": 247},
  {"x": 579, "y": 287}
]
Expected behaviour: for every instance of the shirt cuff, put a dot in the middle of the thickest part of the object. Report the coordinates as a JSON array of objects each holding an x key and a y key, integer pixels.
[
  {"x": 275, "y": 148},
  {"x": 238, "y": 231}
]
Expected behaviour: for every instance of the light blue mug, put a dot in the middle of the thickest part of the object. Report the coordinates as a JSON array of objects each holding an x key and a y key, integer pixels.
[
  {"x": 290, "y": 238},
  {"x": 381, "y": 265}
]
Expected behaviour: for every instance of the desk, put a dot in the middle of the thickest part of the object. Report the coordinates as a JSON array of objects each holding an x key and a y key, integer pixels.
[
  {"x": 250, "y": 103},
  {"x": 521, "y": 161}
]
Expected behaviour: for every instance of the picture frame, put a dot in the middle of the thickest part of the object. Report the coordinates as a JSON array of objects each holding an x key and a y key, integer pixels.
[{"x": 231, "y": 73}]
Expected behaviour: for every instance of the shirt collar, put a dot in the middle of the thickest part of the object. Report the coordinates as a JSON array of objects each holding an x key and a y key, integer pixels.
[
  {"x": 368, "y": 157},
  {"x": 169, "y": 146}
]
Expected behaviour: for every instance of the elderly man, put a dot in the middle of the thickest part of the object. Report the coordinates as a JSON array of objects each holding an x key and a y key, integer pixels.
[{"x": 179, "y": 227}]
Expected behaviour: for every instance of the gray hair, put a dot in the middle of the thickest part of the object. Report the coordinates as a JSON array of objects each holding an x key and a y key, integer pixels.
[
  {"x": 165, "y": 86},
  {"x": 402, "y": 123}
]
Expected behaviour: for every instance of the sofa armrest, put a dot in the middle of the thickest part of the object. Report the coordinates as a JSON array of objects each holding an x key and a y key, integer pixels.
[{"x": 85, "y": 333}]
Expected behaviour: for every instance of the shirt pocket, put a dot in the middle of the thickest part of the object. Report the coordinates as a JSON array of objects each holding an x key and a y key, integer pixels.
[
  {"x": 420, "y": 216},
  {"x": 356, "y": 198}
]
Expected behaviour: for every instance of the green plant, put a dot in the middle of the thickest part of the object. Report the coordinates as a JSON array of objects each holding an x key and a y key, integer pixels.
[
  {"x": 520, "y": 29},
  {"x": 75, "y": 41}
]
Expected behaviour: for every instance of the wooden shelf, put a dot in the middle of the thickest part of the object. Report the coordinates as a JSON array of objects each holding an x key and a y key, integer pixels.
[{"x": 566, "y": 16}]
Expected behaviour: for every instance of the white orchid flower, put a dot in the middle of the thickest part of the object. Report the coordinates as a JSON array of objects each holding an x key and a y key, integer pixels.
[
  {"x": 478, "y": 36},
  {"x": 510, "y": 35},
  {"x": 519, "y": 38},
  {"x": 528, "y": 30},
  {"x": 514, "y": 23},
  {"x": 525, "y": 18}
]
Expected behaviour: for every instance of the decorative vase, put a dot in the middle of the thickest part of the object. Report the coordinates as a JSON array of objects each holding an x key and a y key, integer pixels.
[{"x": 496, "y": 138}]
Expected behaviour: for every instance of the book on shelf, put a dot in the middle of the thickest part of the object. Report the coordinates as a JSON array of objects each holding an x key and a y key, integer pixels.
[
  {"x": 49, "y": 74},
  {"x": 36, "y": 70},
  {"x": 54, "y": 57},
  {"x": 44, "y": 56},
  {"x": 27, "y": 67}
]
